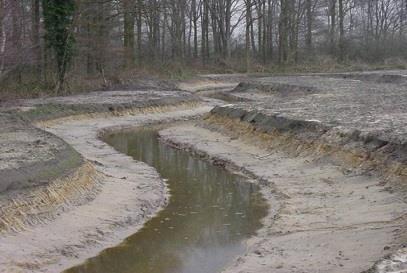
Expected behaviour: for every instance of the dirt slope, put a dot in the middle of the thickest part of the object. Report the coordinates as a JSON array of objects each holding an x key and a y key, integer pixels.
[{"x": 322, "y": 220}]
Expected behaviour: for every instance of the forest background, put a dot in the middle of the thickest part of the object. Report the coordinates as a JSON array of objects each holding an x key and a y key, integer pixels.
[{"x": 66, "y": 46}]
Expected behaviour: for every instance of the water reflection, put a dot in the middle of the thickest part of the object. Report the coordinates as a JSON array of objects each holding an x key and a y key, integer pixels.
[{"x": 210, "y": 214}]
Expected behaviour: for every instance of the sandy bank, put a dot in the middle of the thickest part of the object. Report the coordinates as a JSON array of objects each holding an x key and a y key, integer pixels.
[
  {"x": 323, "y": 219},
  {"x": 129, "y": 193},
  {"x": 329, "y": 152}
]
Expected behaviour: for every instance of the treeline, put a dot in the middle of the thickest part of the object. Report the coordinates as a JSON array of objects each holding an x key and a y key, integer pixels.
[{"x": 102, "y": 37}]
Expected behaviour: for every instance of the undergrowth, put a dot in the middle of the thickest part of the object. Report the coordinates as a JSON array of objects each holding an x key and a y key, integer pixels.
[{"x": 165, "y": 76}]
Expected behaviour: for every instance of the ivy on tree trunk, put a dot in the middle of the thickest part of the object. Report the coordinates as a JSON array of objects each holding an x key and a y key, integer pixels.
[{"x": 58, "y": 21}]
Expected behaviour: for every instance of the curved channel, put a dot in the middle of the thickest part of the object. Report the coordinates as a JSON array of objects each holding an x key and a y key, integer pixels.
[{"x": 210, "y": 214}]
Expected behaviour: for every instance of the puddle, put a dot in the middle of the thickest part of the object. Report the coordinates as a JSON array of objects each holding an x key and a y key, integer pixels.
[{"x": 204, "y": 227}]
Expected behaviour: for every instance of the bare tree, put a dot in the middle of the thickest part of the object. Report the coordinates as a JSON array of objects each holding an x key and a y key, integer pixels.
[{"x": 111, "y": 36}]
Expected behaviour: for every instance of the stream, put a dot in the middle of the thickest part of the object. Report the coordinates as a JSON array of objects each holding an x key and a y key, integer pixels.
[{"x": 210, "y": 215}]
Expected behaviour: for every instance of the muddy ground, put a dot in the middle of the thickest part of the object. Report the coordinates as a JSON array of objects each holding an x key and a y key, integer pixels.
[{"x": 329, "y": 151}]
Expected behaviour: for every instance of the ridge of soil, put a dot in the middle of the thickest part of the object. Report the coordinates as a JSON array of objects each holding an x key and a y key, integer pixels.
[
  {"x": 130, "y": 193},
  {"x": 322, "y": 220},
  {"x": 330, "y": 151}
]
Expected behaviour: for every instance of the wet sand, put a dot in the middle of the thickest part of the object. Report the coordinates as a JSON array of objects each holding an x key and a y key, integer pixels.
[
  {"x": 130, "y": 193},
  {"x": 321, "y": 220}
]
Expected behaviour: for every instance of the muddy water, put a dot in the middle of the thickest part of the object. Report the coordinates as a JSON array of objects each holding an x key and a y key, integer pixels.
[{"x": 210, "y": 214}]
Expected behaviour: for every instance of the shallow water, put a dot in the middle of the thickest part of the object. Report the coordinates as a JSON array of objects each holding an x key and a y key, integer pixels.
[{"x": 204, "y": 227}]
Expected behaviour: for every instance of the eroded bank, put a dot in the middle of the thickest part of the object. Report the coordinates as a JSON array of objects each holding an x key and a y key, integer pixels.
[
  {"x": 126, "y": 194},
  {"x": 328, "y": 152}
]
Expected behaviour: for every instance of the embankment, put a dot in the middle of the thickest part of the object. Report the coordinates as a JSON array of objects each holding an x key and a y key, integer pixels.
[
  {"x": 326, "y": 216},
  {"x": 349, "y": 147},
  {"x": 333, "y": 152},
  {"x": 72, "y": 211}
]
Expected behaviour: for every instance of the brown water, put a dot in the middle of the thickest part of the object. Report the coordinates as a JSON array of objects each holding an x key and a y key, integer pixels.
[{"x": 210, "y": 215}]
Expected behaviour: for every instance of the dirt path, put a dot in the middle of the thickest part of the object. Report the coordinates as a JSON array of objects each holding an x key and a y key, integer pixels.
[
  {"x": 324, "y": 220},
  {"x": 130, "y": 192}
]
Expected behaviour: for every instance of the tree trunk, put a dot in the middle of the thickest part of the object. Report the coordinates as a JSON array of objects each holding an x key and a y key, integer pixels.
[
  {"x": 247, "y": 40},
  {"x": 35, "y": 9},
  {"x": 195, "y": 26},
  {"x": 270, "y": 23},
  {"x": 164, "y": 30},
  {"x": 341, "y": 31},
  {"x": 332, "y": 15},
  {"x": 309, "y": 18},
  {"x": 283, "y": 33},
  {"x": 128, "y": 35}
]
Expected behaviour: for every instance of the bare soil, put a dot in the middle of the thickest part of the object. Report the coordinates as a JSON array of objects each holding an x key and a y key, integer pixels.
[
  {"x": 130, "y": 192},
  {"x": 321, "y": 220},
  {"x": 329, "y": 151}
]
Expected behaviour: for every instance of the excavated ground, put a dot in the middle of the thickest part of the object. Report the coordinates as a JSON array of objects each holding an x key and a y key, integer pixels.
[
  {"x": 333, "y": 148},
  {"x": 66, "y": 195},
  {"x": 322, "y": 219},
  {"x": 373, "y": 108},
  {"x": 329, "y": 150},
  {"x": 25, "y": 151}
]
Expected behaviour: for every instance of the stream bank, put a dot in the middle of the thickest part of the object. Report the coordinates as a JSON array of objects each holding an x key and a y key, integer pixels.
[
  {"x": 210, "y": 214},
  {"x": 124, "y": 194},
  {"x": 330, "y": 152},
  {"x": 324, "y": 219}
]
